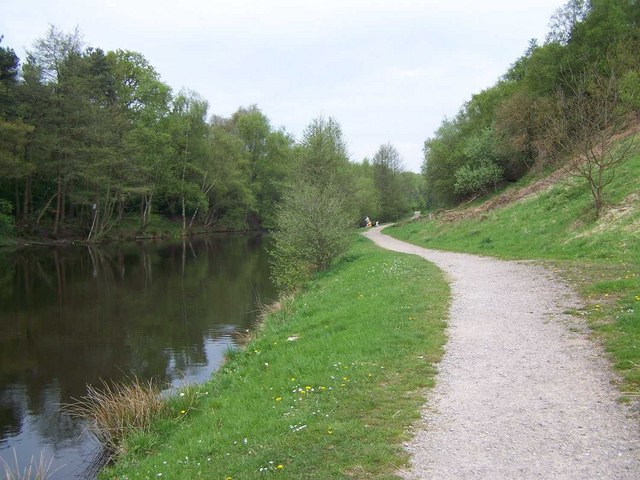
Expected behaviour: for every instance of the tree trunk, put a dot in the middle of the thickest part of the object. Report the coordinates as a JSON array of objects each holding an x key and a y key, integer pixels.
[
  {"x": 45, "y": 208},
  {"x": 93, "y": 222},
  {"x": 63, "y": 206},
  {"x": 27, "y": 204},
  {"x": 193, "y": 217},
  {"x": 184, "y": 217},
  {"x": 145, "y": 211},
  {"x": 56, "y": 221},
  {"x": 16, "y": 213},
  {"x": 184, "y": 212},
  {"x": 120, "y": 211},
  {"x": 184, "y": 170}
]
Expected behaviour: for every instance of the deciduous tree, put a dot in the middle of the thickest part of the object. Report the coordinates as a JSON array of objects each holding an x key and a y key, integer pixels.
[
  {"x": 589, "y": 129},
  {"x": 313, "y": 222},
  {"x": 387, "y": 168}
]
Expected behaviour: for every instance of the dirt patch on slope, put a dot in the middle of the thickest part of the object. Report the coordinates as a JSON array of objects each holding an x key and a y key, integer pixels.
[{"x": 509, "y": 196}]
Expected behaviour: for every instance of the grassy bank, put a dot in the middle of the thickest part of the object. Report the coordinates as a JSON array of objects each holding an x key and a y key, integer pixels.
[
  {"x": 601, "y": 257},
  {"x": 326, "y": 390}
]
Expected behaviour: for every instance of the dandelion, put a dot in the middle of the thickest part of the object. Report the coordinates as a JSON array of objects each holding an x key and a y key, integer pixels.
[
  {"x": 183, "y": 412},
  {"x": 278, "y": 399},
  {"x": 280, "y": 466}
]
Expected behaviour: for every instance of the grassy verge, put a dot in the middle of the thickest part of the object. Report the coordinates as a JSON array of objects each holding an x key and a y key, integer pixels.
[
  {"x": 326, "y": 390},
  {"x": 601, "y": 257}
]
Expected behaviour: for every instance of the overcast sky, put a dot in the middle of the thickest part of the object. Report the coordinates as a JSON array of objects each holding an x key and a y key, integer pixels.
[{"x": 387, "y": 71}]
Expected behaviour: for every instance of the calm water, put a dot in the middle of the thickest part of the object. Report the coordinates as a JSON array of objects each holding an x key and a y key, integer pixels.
[{"x": 75, "y": 315}]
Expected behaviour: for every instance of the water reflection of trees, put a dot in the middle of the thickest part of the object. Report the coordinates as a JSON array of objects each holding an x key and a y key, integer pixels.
[{"x": 72, "y": 316}]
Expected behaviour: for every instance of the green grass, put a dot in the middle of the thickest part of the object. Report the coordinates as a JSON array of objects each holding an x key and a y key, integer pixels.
[
  {"x": 601, "y": 257},
  {"x": 326, "y": 390}
]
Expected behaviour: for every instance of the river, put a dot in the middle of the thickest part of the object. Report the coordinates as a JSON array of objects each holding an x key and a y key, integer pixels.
[{"x": 77, "y": 315}]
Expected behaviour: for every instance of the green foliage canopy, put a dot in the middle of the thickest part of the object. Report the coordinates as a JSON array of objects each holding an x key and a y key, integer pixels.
[{"x": 508, "y": 129}]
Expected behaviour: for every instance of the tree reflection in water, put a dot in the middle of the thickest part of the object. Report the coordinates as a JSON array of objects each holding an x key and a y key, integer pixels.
[{"x": 75, "y": 315}]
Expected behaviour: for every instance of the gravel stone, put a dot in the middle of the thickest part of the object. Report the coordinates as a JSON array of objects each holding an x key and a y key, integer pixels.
[{"x": 522, "y": 391}]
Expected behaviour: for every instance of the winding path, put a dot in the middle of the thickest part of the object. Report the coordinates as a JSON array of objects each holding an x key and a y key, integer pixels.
[{"x": 521, "y": 391}]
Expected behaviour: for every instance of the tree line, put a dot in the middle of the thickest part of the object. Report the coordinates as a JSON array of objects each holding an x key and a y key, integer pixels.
[
  {"x": 90, "y": 138},
  {"x": 564, "y": 100}
]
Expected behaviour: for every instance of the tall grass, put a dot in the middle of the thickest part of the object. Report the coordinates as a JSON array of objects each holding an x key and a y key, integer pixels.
[
  {"x": 116, "y": 410},
  {"x": 37, "y": 469}
]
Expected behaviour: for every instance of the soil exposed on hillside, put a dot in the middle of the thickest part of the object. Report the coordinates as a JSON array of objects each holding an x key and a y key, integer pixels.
[
  {"x": 522, "y": 392},
  {"x": 504, "y": 198}
]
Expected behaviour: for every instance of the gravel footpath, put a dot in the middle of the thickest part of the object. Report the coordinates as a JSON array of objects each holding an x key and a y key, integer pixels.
[{"x": 521, "y": 391}]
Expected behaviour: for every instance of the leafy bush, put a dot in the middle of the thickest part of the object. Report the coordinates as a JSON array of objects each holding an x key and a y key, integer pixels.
[
  {"x": 473, "y": 180},
  {"x": 313, "y": 230},
  {"x": 312, "y": 221}
]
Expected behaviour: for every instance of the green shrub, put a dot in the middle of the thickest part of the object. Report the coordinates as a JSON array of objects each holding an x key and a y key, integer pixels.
[
  {"x": 472, "y": 180},
  {"x": 313, "y": 230}
]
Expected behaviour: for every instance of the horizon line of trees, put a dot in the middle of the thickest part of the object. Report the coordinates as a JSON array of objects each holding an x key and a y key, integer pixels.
[
  {"x": 89, "y": 138},
  {"x": 563, "y": 102}
]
